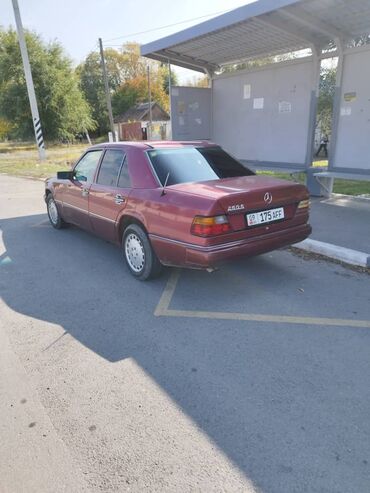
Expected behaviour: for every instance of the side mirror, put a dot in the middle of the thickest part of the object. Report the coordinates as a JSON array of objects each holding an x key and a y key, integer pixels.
[{"x": 65, "y": 175}]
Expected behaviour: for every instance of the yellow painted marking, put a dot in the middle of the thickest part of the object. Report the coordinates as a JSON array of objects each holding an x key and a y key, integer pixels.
[
  {"x": 163, "y": 310},
  {"x": 287, "y": 319},
  {"x": 167, "y": 294}
]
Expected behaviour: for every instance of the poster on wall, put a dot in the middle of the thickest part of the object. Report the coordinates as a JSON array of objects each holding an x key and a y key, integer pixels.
[
  {"x": 194, "y": 106},
  {"x": 181, "y": 107},
  {"x": 247, "y": 91},
  {"x": 191, "y": 113},
  {"x": 345, "y": 111},
  {"x": 349, "y": 97},
  {"x": 258, "y": 103},
  {"x": 285, "y": 107}
]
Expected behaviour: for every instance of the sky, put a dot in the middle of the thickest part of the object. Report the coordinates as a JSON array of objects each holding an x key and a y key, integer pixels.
[{"x": 77, "y": 24}]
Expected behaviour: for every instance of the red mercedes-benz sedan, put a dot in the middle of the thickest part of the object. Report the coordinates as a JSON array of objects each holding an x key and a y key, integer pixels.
[{"x": 187, "y": 204}]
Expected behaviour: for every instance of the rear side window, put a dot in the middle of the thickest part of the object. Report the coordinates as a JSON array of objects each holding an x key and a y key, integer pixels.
[
  {"x": 224, "y": 165},
  {"x": 110, "y": 167},
  {"x": 190, "y": 164},
  {"x": 124, "y": 178}
]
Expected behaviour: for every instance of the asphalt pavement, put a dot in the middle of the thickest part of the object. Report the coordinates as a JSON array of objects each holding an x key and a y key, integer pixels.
[
  {"x": 254, "y": 378},
  {"x": 342, "y": 220}
]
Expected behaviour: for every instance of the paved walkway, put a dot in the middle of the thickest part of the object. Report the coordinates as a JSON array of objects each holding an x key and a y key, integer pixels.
[
  {"x": 251, "y": 379},
  {"x": 343, "y": 221}
]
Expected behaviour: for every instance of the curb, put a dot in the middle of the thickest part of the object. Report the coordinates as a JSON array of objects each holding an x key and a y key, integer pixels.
[
  {"x": 346, "y": 255},
  {"x": 364, "y": 199}
]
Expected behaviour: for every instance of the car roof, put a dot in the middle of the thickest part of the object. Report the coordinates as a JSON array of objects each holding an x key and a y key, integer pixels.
[{"x": 155, "y": 144}]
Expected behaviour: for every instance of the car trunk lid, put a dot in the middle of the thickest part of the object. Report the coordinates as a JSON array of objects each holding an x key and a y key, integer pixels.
[{"x": 239, "y": 196}]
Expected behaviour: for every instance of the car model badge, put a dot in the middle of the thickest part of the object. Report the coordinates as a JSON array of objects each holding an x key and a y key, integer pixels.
[
  {"x": 236, "y": 208},
  {"x": 267, "y": 198}
]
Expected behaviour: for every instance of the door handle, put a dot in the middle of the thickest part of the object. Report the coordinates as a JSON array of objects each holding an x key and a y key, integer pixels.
[
  {"x": 85, "y": 192},
  {"x": 119, "y": 199}
]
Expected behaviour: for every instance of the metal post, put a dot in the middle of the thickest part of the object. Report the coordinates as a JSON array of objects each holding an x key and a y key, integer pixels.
[
  {"x": 106, "y": 85},
  {"x": 316, "y": 68},
  {"x": 87, "y": 136},
  {"x": 150, "y": 105},
  {"x": 210, "y": 75},
  {"x": 169, "y": 95},
  {"x": 336, "y": 103},
  {"x": 29, "y": 82}
]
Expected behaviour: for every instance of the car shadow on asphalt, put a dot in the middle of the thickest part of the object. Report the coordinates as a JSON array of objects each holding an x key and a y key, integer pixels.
[{"x": 287, "y": 404}]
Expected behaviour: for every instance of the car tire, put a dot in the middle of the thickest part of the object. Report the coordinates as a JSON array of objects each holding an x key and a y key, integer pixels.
[
  {"x": 54, "y": 216},
  {"x": 139, "y": 255}
]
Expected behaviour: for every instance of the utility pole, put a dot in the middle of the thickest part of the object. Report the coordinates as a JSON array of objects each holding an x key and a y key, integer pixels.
[
  {"x": 107, "y": 93},
  {"x": 150, "y": 104},
  {"x": 169, "y": 94},
  {"x": 29, "y": 82}
]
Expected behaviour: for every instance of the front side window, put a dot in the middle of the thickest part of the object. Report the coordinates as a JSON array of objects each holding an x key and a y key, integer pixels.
[
  {"x": 85, "y": 169},
  {"x": 191, "y": 164},
  {"x": 110, "y": 167}
]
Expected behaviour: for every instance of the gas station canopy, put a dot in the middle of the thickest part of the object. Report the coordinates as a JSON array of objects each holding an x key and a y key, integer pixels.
[{"x": 260, "y": 29}]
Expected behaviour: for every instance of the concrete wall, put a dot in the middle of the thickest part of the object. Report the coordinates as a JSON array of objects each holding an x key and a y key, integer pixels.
[
  {"x": 263, "y": 115},
  {"x": 191, "y": 113},
  {"x": 352, "y": 142}
]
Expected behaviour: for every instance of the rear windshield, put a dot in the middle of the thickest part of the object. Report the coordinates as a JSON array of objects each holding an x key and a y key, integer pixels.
[{"x": 188, "y": 164}]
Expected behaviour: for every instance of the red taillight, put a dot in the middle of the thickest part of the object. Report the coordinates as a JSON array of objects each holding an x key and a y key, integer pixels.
[{"x": 210, "y": 226}]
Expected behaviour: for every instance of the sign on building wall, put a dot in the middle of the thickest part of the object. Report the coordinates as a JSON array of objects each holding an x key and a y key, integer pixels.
[
  {"x": 264, "y": 115},
  {"x": 191, "y": 113},
  {"x": 352, "y": 141}
]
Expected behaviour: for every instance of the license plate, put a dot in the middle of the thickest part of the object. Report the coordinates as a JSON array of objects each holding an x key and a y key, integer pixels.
[{"x": 262, "y": 217}]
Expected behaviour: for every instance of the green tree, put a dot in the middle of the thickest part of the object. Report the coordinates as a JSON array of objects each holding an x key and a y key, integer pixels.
[
  {"x": 129, "y": 93},
  {"x": 5, "y": 129},
  {"x": 165, "y": 75},
  {"x": 122, "y": 66},
  {"x": 135, "y": 91},
  {"x": 92, "y": 85},
  {"x": 62, "y": 106},
  {"x": 198, "y": 81},
  {"x": 327, "y": 86},
  {"x": 325, "y": 101},
  {"x": 127, "y": 81},
  {"x": 251, "y": 64}
]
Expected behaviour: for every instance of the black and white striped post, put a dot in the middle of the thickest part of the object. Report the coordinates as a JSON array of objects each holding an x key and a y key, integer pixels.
[
  {"x": 38, "y": 134},
  {"x": 30, "y": 88}
]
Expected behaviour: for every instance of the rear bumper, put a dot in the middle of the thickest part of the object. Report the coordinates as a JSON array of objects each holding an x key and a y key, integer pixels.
[{"x": 172, "y": 252}]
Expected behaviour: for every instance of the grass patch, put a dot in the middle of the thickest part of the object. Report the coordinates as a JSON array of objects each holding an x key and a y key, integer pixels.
[
  {"x": 22, "y": 159},
  {"x": 350, "y": 187},
  {"x": 297, "y": 177},
  {"x": 346, "y": 187}
]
